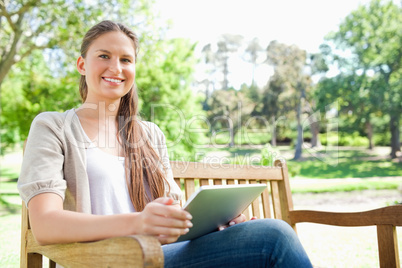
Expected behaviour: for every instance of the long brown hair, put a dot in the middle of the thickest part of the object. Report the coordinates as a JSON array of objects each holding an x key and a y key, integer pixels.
[{"x": 143, "y": 165}]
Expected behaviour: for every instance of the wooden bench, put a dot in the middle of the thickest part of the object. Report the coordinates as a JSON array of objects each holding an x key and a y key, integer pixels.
[{"x": 275, "y": 202}]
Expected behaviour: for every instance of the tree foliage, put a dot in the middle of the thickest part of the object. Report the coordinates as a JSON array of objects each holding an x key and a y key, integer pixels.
[
  {"x": 373, "y": 36},
  {"x": 163, "y": 77}
]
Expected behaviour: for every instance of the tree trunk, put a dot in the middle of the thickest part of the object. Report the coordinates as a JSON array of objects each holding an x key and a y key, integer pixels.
[
  {"x": 273, "y": 131},
  {"x": 232, "y": 134},
  {"x": 225, "y": 83},
  {"x": 369, "y": 129},
  {"x": 395, "y": 142},
  {"x": 315, "y": 130},
  {"x": 298, "y": 151},
  {"x": 8, "y": 59}
]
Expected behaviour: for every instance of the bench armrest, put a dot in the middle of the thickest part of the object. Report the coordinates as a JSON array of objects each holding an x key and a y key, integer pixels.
[
  {"x": 129, "y": 251},
  {"x": 390, "y": 215}
]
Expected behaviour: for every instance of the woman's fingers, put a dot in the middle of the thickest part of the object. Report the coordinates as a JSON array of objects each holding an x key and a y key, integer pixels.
[
  {"x": 164, "y": 220},
  {"x": 162, "y": 207},
  {"x": 165, "y": 231},
  {"x": 239, "y": 219}
]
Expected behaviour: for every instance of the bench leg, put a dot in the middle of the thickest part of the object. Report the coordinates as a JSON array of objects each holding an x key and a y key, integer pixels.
[
  {"x": 388, "y": 246},
  {"x": 34, "y": 260}
]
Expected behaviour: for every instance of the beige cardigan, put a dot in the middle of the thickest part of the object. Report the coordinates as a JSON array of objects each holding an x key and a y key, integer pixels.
[{"x": 55, "y": 160}]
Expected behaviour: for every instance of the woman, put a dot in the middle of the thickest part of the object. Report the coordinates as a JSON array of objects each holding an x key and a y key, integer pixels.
[{"x": 98, "y": 171}]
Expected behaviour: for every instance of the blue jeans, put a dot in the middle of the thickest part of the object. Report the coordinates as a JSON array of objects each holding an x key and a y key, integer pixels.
[{"x": 256, "y": 243}]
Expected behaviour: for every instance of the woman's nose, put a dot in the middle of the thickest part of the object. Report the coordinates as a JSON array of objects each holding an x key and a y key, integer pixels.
[{"x": 115, "y": 67}]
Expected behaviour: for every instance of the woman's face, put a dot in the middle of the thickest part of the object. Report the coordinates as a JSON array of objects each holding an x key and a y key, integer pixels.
[{"x": 109, "y": 67}]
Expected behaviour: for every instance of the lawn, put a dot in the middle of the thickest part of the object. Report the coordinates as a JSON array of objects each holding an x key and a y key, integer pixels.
[{"x": 329, "y": 169}]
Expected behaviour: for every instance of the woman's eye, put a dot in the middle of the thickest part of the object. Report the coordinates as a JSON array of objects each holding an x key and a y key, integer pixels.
[
  {"x": 126, "y": 60},
  {"x": 103, "y": 56}
]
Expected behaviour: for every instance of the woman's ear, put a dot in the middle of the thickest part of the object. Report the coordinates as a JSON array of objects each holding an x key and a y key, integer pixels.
[{"x": 81, "y": 65}]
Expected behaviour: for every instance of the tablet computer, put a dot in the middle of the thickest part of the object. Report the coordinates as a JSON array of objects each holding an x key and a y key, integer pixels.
[{"x": 213, "y": 206}]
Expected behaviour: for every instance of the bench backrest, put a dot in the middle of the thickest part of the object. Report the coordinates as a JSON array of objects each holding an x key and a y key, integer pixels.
[{"x": 274, "y": 202}]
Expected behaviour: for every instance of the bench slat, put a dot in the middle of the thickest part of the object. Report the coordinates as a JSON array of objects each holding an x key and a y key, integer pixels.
[
  {"x": 246, "y": 212},
  {"x": 230, "y": 181},
  {"x": 217, "y": 181},
  {"x": 224, "y": 171},
  {"x": 255, "y": 205},
  {"x": 204, "y": 182},
  {"x": 190, "y": 188},
  {"x": 266, "y": 208},
  {"x": 276, "y": 202}
]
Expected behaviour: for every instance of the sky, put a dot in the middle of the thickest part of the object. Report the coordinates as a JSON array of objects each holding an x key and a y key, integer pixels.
[{"x": 304, "y": 23}]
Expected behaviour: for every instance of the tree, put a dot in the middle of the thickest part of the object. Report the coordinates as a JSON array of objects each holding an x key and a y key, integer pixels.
[
  {"x": 289, "y": 63},
  {"x": 272, "y": 106},
  {"x": 373, "y": 35},
  {"x": 253, "y": 52},
  {"x": 317, "y": 66},
  {"x": 229, "y": 108},
  {"x": 227, "y": 45},
  {"x": 358, "y": 99},
  {"x": 209, "y": 58},
  {"x": 30, "y": 88}
]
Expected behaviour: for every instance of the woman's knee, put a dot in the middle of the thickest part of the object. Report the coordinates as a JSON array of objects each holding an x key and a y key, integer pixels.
[{"x": 271, "y": 226}]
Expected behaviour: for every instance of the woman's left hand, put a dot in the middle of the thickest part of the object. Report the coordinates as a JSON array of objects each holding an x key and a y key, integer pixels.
[{"x": 239, "y": 219}]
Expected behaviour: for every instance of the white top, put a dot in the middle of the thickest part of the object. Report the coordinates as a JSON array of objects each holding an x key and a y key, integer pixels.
[{"x": 107, "y": 183}]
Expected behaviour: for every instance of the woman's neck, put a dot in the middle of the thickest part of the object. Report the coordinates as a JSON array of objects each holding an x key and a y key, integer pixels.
[
  {"x": 99, "y": 123},
  {"x": 101, "y": 110}
]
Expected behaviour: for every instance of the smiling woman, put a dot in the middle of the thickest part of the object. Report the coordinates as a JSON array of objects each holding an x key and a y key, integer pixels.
[{"x": 99, "y": 171}]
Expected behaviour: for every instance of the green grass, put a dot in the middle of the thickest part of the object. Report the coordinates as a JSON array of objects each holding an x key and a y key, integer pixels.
[
  {"x": 8, "y": 186},
  {"x": 10, "y": 226},
  {"x": 345, "y": 169},
  {"x": 324, "y": 164},
  {"x": 330, "y": 186}
]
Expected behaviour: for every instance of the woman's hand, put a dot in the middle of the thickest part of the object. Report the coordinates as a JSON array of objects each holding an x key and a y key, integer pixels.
[
  {"x": 165, "y": 221},
  {"x": 239, "y": 219}
]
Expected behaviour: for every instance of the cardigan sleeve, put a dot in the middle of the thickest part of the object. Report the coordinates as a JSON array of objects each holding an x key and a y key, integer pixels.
[{"x": 42, "y": 166}]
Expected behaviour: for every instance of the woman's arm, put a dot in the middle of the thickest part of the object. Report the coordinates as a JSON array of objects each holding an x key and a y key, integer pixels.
[{"x": 51, "y": 224}]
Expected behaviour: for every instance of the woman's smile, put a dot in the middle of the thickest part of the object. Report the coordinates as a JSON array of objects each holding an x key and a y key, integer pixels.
[{"x": 113, "y": 81}]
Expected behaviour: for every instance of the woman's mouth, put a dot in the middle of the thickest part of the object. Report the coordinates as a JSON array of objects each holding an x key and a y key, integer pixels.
[{"x": 112, "y": 80}]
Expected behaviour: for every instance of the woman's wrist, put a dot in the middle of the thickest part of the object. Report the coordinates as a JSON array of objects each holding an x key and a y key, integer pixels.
[{"x": 130, "y": 224}]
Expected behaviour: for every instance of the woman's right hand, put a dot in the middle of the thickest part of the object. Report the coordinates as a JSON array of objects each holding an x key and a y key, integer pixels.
[{"x": 165, "y": 221}]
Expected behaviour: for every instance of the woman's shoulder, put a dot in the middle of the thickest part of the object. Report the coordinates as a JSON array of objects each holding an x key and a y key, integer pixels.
[
  {"x": 53, "y": 117},
  {"x": 55, "y": 121}
]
